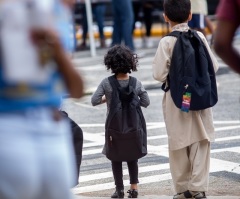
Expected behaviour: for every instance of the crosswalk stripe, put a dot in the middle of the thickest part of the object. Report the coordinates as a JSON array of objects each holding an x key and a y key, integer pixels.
[
  {"x": 161, "y": 124},
  {"x": 152, "y": 149},
  {"x": 125, "y": 172},
  {"x": 214, "y": 167},
  {"x": 106, "y": 186}
]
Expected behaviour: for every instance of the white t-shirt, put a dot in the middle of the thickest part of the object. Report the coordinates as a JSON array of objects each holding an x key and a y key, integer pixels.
[{"x": 199, "y": 7}]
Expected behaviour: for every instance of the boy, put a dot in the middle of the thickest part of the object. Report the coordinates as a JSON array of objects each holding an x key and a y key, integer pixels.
[{"x": 189, "y": 134}]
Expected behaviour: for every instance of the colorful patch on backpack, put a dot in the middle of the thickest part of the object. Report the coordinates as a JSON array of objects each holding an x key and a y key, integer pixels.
[{"x": 186, "y": 101}]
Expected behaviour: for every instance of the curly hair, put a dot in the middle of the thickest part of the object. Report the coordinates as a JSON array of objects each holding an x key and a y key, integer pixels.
[{"x": 120, "y": 59}]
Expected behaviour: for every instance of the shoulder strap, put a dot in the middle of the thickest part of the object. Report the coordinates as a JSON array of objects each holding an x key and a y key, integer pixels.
[
  {"x": 174, "y": 34},
  {"x": 190, "y": 32},
  {"x": 113, "y": 81},
  {"x": 164, "y": 86},
  {"x": 132, "y": 81}
]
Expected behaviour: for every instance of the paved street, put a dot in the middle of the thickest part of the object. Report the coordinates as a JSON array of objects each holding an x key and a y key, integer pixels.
[{"x": 96, "y": 177}]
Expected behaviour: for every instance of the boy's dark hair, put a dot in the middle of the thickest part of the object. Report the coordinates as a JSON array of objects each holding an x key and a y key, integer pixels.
[
  {"x": 177, "y": 10},
  {"x": 120, "y": 59}
]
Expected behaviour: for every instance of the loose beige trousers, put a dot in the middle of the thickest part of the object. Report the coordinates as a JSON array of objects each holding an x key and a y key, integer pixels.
[{"x": 190, "y": 167}]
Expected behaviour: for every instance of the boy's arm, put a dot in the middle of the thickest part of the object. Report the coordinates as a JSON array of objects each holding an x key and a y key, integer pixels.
[{"x": 161, "y": 60}]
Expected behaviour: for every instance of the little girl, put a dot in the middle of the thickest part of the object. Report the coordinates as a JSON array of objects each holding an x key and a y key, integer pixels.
[{"x": 121, "y": 61}]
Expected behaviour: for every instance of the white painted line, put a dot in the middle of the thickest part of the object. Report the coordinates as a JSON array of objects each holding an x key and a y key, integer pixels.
[
  {"x": 151, "y": 94},
  {"x": 157, "y": 137},
  {"x": 227, "y": 122},
  {"x": 225, "y": 165},
  {"x": 92, "y": 151},
  {"x": 231, "y": 149},
  {"x": 162, "y": 124},
  {"x": 227, "y": 128},
  {"x": 227, "y": 138},
  {"x": 94, "y": 137},
  {"x": 106, "y": 186},
  {"x": 88, "y": 106},
  {"x": 104, "y": 175},
  {"x": 97, "y": 140},
  {"x": 92, "y": 125},
  {"x": 216, "y": 165},
  {"x": 157, "y": 150}
]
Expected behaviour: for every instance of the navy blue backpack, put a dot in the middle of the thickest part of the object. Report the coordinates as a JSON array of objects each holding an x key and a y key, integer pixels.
[{"x": 191, "y": 71}]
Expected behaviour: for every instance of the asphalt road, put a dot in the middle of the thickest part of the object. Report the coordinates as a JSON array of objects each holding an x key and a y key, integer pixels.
[{"x": 96, "y": 177}]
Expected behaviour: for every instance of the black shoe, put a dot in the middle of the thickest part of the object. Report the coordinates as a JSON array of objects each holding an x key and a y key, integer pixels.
[
  {"x": 198, "y": 194},
  {"x": 118, "y": 194},
  {"x": 132, "y": 193},
  {"x": 183, "y": 195}
]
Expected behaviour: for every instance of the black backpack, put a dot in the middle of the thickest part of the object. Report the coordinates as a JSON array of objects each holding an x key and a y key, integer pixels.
[
  {"x": 191, "y": 71},
  {"x": 77, "y": 140},
  {"x": 125, "y": 128}
]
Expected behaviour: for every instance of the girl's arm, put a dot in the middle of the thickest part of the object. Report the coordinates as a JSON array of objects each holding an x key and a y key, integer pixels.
[
  {"x": 99, "y": 95},
  {"x": 143, "y": 95}
]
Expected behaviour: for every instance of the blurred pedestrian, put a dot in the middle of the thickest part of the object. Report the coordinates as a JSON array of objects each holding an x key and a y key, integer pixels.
[
  {"x": 35, "y": 141},
  {"x": 123, "y": 19},
  {"x": 199, "y": 11},
  {"x": 189, "y": 133},
  {"x": 146, "y": 7},
  {"x": 200, "y": 20},
  {"x": 98, "y": 10},
  {"x": 121, "y": 61},
  {"x": 228, "y": 15}
]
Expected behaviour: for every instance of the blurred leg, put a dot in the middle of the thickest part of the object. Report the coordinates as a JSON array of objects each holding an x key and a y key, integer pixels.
[
  {"x": 56, "y": 157},
  {"x": 127, "y": 21},
  {"x": 117, "y": 26},
  {"x": 19, "y": 169},
  {"x": 148, "y": 20},
  {"x": 99, "y": 13}
]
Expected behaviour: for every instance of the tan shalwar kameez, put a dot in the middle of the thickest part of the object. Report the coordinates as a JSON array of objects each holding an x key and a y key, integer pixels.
[{"x": 189, "y": 134}]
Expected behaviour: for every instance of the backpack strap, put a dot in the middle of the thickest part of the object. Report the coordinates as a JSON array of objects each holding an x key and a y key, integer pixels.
[
  {"x": 166, "y": 85},
  {"x": 176, "y": 34},
  {"x": 132, "y": 82},
  {"x": 114, "y": 82}
]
